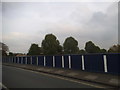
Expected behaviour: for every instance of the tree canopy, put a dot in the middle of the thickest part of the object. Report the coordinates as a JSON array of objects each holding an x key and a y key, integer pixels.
[
  {"x": 114, "y": 49},
  {"x": 51, "y": 45},
  {"x": 103, "y": 50},
  {"x": 34, "y": 50},
  {"x": 4, "y": 48},
  {"x": 70, "y": 46},
  {"x": 90, "y": 47},
  {"x": 82, "y": 51}
]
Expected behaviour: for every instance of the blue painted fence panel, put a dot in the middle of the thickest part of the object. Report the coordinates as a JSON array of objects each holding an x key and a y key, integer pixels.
[
  {"x": 16, "y": 59},
  {"x": 13, "y": 59},
  {"x": 10, "y": 59},
  {"x": 113, "y": 63},
  {"x": 49, "y": 61},
  {"x": 24, "y": 58},
  {"x": 58, "y": 61},
  {"x": 28, "y": 60},
  {"x": 5, "y": 59},
  {"x": 76, "y": 62},
  {"x": 41, "y": 60},
  {"x": 94, "y": 62},
  {"x": 19, "y": 60},
  {"x": 34, "y": 60},
  {"x": 66, "y": 61}
]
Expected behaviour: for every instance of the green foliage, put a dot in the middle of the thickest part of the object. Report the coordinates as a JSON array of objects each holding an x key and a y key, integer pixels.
[
  {"x": 50, "y": 45},
  {"x": 70, "y": 46},
  {"x": 103, "y": 50},
  {"x": 114, "y": 49},
  {"x": 4, "y": 49},
  {"x": 82, "y": 51},
  {"x": 34, "y": 50},
  {"x": 4, "y": 53},
  {"x": 11, "y": 54},
  {"x": 90, "y": 47}
]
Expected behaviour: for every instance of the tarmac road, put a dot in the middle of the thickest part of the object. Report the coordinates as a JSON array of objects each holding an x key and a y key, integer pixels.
[{"x": 19, "y": 78}]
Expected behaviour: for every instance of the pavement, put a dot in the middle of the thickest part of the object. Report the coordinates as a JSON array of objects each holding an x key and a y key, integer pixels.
[
  {"x": 93, "y": 77},
  {"x": 14, "y": 78}
]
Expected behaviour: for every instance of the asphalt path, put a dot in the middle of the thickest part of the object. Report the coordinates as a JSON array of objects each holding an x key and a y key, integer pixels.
[{"x": 13, "y": 77}]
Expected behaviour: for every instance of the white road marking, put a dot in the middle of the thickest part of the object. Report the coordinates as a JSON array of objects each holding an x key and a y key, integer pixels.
[{"x": 81, "y": 82}]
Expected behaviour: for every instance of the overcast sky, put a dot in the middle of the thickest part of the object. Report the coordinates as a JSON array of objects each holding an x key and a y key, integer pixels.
[{"x": 24, "y": 23}]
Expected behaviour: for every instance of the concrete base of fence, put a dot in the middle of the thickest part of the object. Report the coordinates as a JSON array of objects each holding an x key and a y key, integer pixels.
[{"x": 99, "y": 78}]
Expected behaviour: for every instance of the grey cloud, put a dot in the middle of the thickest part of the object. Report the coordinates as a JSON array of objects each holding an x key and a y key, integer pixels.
[
  {"x": 64, "y": 21},
  {"x": 119, "y": 22},
  {"x": 103, "y": 27}
]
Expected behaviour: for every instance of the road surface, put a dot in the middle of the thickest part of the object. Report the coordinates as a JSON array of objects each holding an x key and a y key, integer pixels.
[{"x": 19, "y": 78}]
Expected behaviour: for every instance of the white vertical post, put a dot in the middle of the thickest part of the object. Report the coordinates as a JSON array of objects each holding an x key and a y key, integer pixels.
[
  {"x": 31, "y": 60},
  {"x": 83, "y": 64},
  {"x": 53, "y": 61},
  {"x": 37, "y": 60},
  {"x": 69, "y": 57},
  {"x": 25, "y": 60},
  {"x": 105, "y": 63},
  {"x": 12, "y": 59},
  {"x": 17, "y": 59},
  {"x": 44, "y": 61},
  {"x": 21, "y": 60},
  {"x": 62, "y": 61}
]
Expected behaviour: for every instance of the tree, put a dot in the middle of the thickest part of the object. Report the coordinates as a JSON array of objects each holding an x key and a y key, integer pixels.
[
  {"x": 82, "y": 51},
  {"x": 11, "y": 54},
  {"x": 114, "y": 49},
  {"x": 34, "y": 50},
  {"x": 90, "y": 47},
  {"x": 103, "y": 50},
  {"x": 4, "y": 48},
  {"x": 51, "y": 45},
  {"x": 70, "y": 46},
  {"x": 4, "y": 53}
]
